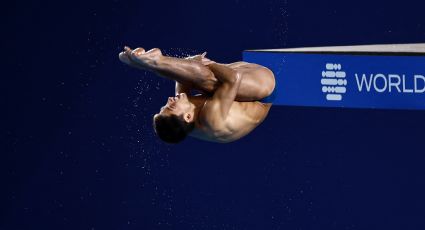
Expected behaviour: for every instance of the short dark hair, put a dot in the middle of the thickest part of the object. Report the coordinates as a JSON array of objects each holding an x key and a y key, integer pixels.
[{"x": 172, "y": 128}]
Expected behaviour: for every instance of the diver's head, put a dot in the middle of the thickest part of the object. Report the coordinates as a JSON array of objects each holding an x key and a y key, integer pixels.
[{"x": 175, "y": 120}]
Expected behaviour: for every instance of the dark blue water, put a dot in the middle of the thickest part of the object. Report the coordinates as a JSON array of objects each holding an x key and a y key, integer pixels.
[{"x": 77, "y": 145}]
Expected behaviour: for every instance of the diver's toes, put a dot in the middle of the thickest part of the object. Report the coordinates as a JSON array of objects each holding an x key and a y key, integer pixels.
[
  {"x": 139, "y": 51},
  {"x": 124, "y": 58}
]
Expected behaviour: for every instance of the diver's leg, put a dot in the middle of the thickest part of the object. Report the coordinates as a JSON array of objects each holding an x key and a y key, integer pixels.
[
  {"x": 257, "y": 81},
  {"x": 184, "y": 71}
]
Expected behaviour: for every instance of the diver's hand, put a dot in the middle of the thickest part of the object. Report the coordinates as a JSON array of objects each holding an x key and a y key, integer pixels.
[
  {"x": 201, "y": 58},
  {"x": 205, "y": 61},
  {"x": 197, "y": 57}
]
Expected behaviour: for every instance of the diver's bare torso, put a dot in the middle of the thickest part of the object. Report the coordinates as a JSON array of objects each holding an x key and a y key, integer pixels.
[
  {"x": 242, "y": 118},
  {"x": 228, "y": 109}
]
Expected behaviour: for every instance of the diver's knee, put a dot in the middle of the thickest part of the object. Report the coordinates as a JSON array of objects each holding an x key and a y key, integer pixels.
[{"x": 268, "y": 82}]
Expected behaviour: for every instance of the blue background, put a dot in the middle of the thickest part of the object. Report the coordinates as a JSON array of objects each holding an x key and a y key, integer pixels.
[
  {"x": 77, "y": 145},
  {"x": 298, "y": 79}
]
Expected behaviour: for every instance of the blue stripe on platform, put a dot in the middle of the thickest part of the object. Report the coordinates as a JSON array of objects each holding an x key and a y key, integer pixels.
[{"x": 344, "y": 80}]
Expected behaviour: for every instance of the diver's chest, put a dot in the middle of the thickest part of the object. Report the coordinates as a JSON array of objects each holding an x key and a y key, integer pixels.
[{"x": 246, "y": 111}]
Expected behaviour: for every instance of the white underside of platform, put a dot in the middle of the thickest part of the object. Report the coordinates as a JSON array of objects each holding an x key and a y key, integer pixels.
[{"x": 388, "y": 48}]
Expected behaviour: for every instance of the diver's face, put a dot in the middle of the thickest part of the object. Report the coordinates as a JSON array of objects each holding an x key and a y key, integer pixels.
[{"x": 178, "y": 105}]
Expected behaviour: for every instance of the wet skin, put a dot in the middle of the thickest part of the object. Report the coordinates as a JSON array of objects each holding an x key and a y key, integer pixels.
[{"x": 218, "y": 118}]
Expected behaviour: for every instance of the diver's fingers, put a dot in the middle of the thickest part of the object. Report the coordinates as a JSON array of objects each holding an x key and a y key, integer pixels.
[
  {"x": 204, "y": 54},
  {"x": 207, "y": 61}
]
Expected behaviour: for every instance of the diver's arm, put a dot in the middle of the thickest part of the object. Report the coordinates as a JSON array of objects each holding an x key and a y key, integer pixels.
[
  {"x": 225, "y": 94},
  {"x": 183, "y": 88},
  {"x": 223, "y": 73}
]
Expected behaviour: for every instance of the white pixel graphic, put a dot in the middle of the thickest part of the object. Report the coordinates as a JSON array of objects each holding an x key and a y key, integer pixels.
[{"x": 333, "y": 82}]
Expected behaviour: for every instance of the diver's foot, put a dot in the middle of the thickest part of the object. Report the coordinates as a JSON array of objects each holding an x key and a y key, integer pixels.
[
  {"x": 139, "y": 58},
  {"x": 125, "y": 59}
]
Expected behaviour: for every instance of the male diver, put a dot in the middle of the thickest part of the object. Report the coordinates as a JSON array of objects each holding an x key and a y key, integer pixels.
[{"x": 229, "y": 106}]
